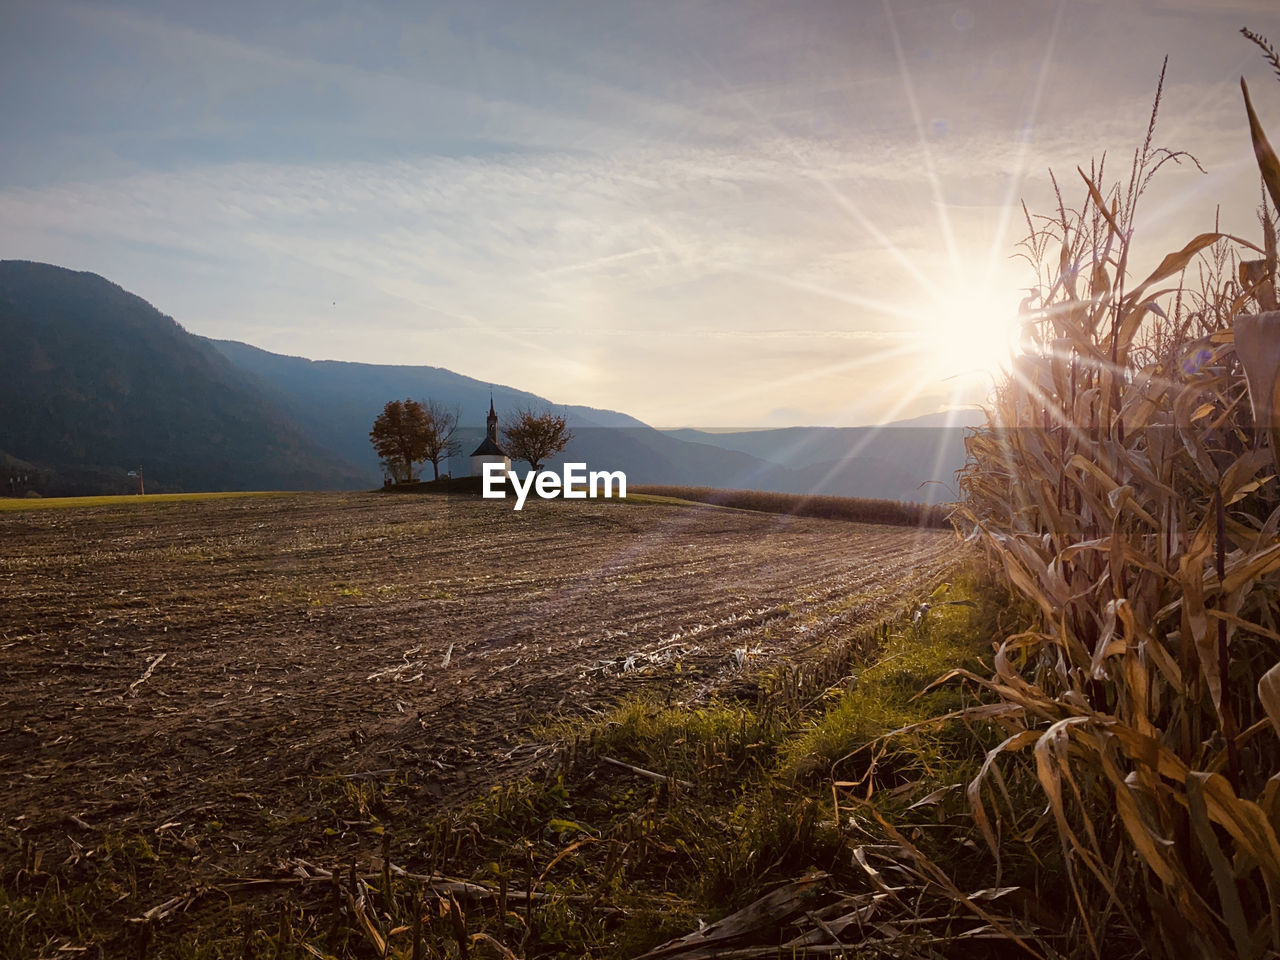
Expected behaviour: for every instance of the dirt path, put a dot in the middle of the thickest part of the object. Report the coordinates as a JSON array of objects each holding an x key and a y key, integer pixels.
[{"x": 175, "y": 665}]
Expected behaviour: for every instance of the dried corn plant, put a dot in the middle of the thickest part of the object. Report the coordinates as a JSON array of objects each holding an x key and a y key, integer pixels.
[{"x": 1126, "y": 483}]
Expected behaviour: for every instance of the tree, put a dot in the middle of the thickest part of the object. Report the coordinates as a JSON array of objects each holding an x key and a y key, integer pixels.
[
  {"x": 440, "y": 444},
  {"x": 400, "y": 437},
  {"x": 535, "y": 437}
]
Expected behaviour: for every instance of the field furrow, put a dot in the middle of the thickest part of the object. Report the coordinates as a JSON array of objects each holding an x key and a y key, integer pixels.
[{"x": 168, "y": 658}]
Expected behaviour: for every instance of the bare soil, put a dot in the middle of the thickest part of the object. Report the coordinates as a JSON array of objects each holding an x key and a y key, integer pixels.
[{"x": 196, "y": 673}]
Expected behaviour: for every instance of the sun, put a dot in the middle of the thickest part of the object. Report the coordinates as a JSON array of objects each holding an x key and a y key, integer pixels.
[{"x": 969, "y": 328}]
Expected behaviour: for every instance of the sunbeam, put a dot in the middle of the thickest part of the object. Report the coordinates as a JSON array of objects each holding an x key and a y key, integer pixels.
[
  {"x": 1009, "y": 208},
  {"x": 930, "y": 172}
]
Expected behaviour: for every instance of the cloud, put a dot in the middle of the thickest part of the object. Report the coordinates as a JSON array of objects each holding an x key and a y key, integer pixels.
[
  {"x": 665, "y": 209},
  {"x": 490, "y": 265}
]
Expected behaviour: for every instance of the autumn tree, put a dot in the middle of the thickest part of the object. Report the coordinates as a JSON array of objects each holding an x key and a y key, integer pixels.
[
  {"x": 440, "y": 444},
  {"x": 401, "y": 437},
  {"x": 535, "y": 437}
]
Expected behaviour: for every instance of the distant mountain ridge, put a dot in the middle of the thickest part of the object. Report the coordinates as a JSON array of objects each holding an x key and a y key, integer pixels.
[
  {"x": 96, "y": 381},
  {"x": 913, "y": 459},
  {"x": 295, "y": 375},
  {"x": 335, "y": 401}
]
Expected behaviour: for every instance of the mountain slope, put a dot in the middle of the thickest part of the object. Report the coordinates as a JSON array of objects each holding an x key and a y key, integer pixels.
[
  {"x": 336, "y": 401},
  {"x": 891, "y": 461},
  {"x": 95, "y": 381}
]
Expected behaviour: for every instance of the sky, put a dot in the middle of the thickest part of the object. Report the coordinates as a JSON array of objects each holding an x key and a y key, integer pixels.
[{"x": 715, "y": 213}]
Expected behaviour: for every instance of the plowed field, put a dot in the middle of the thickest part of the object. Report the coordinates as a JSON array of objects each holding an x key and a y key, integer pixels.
[{"x": 166, "y": 667}]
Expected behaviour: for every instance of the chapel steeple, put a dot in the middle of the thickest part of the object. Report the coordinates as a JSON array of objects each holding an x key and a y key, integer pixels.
[{"x": 489, "y": 451}]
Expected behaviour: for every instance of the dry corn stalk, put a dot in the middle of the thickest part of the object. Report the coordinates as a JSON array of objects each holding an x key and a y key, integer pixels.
[{"x": 1123, "y": 484}]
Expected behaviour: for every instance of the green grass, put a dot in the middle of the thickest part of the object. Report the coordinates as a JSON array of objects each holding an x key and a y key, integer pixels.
[
  {"x": 891, "y": 693},
  {"x": 54, "y": 503},
  {"x": 745, "y": 796},
  {"x": 749, "y": 803}
]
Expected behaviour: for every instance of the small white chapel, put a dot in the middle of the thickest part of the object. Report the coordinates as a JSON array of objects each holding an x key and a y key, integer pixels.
[{"x": 489, "y": 451}]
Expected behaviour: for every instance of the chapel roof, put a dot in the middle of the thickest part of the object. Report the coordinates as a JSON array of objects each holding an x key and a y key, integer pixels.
[{"x": 488, "y": 448}]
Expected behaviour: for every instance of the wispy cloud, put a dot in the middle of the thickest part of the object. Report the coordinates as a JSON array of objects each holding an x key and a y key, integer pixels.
[{"x": 582, "y": 206}]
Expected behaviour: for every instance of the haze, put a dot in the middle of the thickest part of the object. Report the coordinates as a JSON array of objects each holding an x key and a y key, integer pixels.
[{"x": 700, "y": 213}]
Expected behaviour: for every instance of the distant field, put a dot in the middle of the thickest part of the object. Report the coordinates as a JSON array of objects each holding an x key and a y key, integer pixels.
[
  {"x": 857, "y": 509},
  {"x": 53, "y": 503},
  {"x": 206, "y": 675}
]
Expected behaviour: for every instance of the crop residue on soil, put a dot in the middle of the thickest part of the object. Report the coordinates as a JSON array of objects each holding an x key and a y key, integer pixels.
[{"x": 210, "y": 662}]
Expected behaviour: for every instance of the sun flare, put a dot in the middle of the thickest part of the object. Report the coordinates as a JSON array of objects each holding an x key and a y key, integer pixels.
[{"x": 970, "y": 328}]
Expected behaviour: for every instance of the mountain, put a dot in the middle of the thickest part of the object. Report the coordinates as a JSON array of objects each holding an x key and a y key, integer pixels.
[
  {"x": 961, "y": 418},
  {"x": 94, "y": 381},
  {"x": 336, "y": 401},
  {"x": 910, "y": 459}
]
